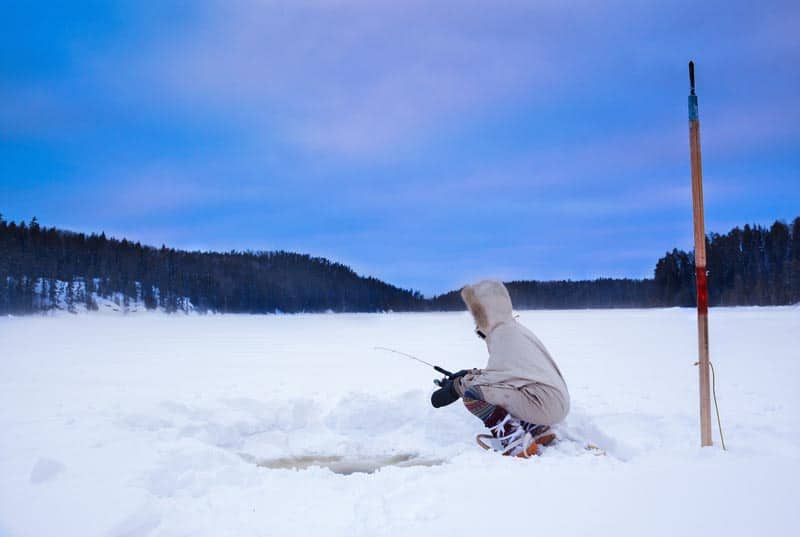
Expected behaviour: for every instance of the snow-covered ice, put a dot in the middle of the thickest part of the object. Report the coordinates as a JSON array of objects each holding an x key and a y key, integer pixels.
[{"x": 149, "y": 424}]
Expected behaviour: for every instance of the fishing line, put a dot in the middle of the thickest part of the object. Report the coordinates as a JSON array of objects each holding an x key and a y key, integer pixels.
[
  {"x": 441, "y": 370},
  {"x": 405, "y": 354}
]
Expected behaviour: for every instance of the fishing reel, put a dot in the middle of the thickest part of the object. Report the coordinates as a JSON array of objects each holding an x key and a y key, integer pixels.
[{"x": 447, "y": 376}]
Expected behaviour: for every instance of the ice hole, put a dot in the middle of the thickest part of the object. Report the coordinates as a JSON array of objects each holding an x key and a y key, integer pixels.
[{"x": 343, "y": 465}]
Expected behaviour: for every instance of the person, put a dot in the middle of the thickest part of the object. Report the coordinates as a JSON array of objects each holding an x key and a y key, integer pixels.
[{"x": 521, "y": 392}]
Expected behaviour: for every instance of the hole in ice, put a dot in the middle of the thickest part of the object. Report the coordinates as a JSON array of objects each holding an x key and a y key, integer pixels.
[{"x": 342, "y": 465}]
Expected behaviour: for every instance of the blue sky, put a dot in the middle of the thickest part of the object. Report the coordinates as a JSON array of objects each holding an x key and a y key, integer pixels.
[{"x": 428, "y": 144}]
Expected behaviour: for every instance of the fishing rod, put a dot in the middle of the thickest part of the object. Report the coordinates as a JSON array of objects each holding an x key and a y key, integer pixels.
[{"x": 447, "y": 374}]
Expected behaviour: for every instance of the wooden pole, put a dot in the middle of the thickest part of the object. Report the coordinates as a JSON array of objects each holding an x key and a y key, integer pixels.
[{"x": 700, "y": 264}]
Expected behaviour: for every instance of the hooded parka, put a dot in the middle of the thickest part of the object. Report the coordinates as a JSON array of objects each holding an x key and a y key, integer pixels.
[{"x": 520, "y": 375}]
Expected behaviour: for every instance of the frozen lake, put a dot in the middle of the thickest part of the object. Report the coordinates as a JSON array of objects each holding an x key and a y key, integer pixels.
[{"x": 158, "y": 425}]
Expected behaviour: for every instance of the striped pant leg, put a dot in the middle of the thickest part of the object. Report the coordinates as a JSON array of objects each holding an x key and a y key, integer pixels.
[
  {"x": 488, "y": 413},
  {"x": 491, "y": 414}
]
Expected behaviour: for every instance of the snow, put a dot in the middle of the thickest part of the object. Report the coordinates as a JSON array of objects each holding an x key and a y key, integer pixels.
[
  {"x": 190, "y": 425},
  {"x": 71, "y": 296}
]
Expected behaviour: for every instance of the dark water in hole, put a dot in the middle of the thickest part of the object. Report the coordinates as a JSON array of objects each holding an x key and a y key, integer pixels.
[{"x": 341, "y": 464}]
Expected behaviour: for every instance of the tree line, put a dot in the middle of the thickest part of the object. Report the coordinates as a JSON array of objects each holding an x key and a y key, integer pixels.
[
  {"x": 34, "y": 260},
  {"x": 566, "y": 294},
  {"x": 753, "y": 265},
  {"x": 46, "y": 268}
]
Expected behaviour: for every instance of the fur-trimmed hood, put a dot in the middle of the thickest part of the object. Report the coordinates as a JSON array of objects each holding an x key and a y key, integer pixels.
[{"x": 489, "y": 303}]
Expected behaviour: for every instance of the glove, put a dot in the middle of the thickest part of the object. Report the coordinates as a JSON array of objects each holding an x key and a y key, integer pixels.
[{"x": 447, "y": 393}]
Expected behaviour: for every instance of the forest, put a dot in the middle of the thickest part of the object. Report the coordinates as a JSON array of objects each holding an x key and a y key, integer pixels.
[{"x": 48, "y": 268}]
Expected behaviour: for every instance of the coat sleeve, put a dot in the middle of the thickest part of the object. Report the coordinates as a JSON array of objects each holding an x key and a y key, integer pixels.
[{"x": 472, "y": 378}]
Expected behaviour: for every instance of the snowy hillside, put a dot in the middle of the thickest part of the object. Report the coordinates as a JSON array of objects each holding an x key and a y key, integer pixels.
[
  {"x": 238, "y": 425},
  {"x": 55, "y": 296}
]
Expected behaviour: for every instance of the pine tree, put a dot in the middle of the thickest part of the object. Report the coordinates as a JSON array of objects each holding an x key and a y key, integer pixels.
[
  {"x": 89, "y": 301},
  {"x": 794, "y": 263},
  {"x": 70, "y": 295}
]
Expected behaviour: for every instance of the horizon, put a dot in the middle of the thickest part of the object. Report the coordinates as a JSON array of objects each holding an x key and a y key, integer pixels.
[
  {"x": 426, "y": 146},
  {"x": 364, "y": 275}
]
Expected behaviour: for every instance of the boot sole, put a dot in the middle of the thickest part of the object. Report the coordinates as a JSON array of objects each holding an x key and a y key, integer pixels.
[{"x": 543, "y": 440}]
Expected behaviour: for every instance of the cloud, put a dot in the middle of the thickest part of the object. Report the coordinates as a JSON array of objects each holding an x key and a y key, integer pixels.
[{"x": 359, "y": 78}]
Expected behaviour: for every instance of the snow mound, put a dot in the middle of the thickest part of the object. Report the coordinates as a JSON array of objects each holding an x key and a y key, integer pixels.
[{"x": 45, "y": 470}]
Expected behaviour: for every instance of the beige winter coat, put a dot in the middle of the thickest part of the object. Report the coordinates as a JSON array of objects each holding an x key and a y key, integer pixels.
[{"x": 520, "y": 376}]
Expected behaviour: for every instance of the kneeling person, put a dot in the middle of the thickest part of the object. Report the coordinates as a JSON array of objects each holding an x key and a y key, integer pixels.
[{"x": 521, "y": 392}]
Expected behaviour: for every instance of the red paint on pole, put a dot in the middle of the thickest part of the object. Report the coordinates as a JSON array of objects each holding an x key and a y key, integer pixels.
[{"x": 702, "y": 290}]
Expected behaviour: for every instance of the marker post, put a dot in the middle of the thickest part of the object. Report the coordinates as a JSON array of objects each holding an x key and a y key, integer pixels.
[{"x": 700, "y": 264}]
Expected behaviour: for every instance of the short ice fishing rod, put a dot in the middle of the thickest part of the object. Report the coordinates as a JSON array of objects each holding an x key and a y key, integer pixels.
[{"x": 447, "y": 374}]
